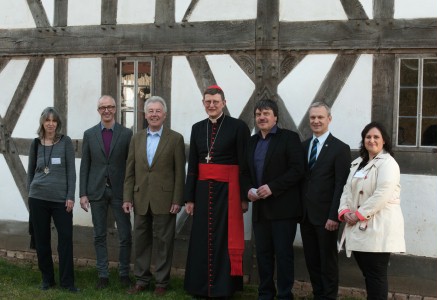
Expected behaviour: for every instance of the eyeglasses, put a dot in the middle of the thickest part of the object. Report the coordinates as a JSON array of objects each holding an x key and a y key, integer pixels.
[
  {"x": 104, "y": 108},
  {"x": 209, "y": 102}
]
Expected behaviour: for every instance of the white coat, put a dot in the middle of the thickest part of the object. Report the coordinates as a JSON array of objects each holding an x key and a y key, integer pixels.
[{"x": 376, "y": 196}]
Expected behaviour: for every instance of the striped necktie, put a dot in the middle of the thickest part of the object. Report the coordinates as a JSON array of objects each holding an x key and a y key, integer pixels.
[{"x": 313, "y": 154}]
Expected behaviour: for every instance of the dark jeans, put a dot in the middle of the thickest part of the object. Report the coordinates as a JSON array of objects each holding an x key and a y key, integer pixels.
[
  {"x": 42, "y": 213},
  {"x": 374, "y": 266},
  {"x": 274, "y": 245},
  {"x": 99, "y": 212}
]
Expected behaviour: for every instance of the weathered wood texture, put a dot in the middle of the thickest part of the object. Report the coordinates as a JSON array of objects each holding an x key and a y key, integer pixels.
[
  {"x": 384, "y": 9},
  {"x": 39, "y": 14},
  {"x": 61, "y": 13},
  {"x": 109, "y": 12},
  {"x": 3, "y": 63},
  {"x": 189, "y": 10},
  {"x": 221, "y": 36},
  {"x": 162, "y": 82},
  {"x": 109, "y": 77},
  {"x": 354, "y": 10},
  {"x": 165, "y": 12},
  {"x": 61, "y": 90}
]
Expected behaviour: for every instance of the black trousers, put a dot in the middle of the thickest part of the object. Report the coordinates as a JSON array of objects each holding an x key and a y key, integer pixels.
[
  {"x": 42, "y": 212},
  {"x": 274, "y": 246},
  {"x": 321, "y": 257},
  {"x": 374, "y": 266}
]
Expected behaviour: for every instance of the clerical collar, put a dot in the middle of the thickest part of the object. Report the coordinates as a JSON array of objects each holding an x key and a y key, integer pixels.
[
  {"x": 216, "y": 120},
  {"x": 159, "y": 132}
]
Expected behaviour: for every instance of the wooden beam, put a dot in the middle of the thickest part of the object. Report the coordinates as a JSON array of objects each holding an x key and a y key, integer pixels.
[
  {"x": 189, "y": 10},
  {"x": 61, "y": 13},
  {"x": 287, "y": 63},
  {"x": 383, "y": 9},
  {"x": 3, "y": 63},
  {"x": 330, "y": 87},
  {"x": 109, "y": 77},
  {"x": 61, "y": 90},
  {"x": 247, "y": 64},
  {"x": 22, "y": 93},
  {"x": 165, "y": 12},
  {"x": 354, "y": 10},
  {"x": 109, "y": 12},
  {"x": 161, "y": 82},
  {"x": 39, "y": 14}
]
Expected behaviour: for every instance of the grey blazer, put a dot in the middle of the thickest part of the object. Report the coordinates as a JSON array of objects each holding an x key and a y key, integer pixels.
[{"x": 95, "y": 167}]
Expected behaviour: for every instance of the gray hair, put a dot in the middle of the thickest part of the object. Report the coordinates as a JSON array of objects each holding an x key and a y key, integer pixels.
[
  {"x": 106, "y": 96},
  {"x": 321, "y": 104},
  {"x": 47, "y": 113},
  {"x": 155, "y": 99}
]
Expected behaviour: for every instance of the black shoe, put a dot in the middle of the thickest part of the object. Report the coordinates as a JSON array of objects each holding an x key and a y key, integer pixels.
[
  {"x": 72, "y": 289},
  {"x": 102, "y": 283},
  {"x": 125, "y": 281},
  {"x": 47, "y": 285}
]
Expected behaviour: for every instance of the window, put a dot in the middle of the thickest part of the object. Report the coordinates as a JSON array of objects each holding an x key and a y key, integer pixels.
[
  {"x": 417, "y": 102},
  {"x": 135, "y": 87}
]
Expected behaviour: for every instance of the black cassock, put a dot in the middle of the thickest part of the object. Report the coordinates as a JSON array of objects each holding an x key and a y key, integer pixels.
[{"x": 208, "y": 267}]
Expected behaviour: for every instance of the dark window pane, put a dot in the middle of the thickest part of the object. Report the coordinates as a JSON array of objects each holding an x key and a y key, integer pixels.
[
  {"x": 409, "y": 72},
  {"x": 408, "y": 102},
  {"x": 407, "y": 131},
  {"x": 429, "y": 132},
  {"x": 429, "y": 102},
  {"x": 430, "y": 72}
]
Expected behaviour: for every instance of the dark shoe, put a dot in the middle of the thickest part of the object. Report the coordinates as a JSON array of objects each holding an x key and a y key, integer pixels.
[
  {"x": 125, "y": 281},
  {"x": 47, "y": 285},
  {"x": 102, "y": 283},
  {"x": 72, "y": 289},
  {"x": 136, "y": 289},
  {"x": 159, "y": 291}
]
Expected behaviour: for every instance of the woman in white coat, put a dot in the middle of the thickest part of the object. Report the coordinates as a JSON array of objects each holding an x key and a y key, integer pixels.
[{"x": 370, "y": 205}]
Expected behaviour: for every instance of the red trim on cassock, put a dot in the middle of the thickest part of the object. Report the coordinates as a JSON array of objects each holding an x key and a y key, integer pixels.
[{"x": 230, "y": 174}]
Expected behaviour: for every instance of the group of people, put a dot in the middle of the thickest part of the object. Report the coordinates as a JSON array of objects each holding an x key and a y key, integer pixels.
[{"x": 313, "y": 184}]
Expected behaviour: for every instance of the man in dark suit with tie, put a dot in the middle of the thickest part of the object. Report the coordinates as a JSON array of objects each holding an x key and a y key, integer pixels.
[
  {"x": 154, "y": 186},
  {"x": 272, "y": 175},
  {"x": 326, "y": 173},
  {"x": 104, "y": 152}
]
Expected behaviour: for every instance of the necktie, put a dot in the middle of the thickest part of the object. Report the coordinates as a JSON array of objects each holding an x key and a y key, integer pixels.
[{"x": 313, "y": 154}]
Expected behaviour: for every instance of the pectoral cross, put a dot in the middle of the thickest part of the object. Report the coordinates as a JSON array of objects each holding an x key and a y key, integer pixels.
[{"x": 208, "y": 158}]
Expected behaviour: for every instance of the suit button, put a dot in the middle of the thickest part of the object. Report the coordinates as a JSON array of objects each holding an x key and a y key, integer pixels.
[{"x": 361, "y": 192}]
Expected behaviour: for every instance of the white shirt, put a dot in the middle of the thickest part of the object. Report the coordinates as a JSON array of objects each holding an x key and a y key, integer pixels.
[
  {"x": 322, "y": 140},
  {"x": 153, "y": 138}
]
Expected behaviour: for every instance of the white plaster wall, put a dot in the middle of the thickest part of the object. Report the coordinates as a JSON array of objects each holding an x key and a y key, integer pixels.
[
  {"x": 180, "y": 9},
  {"x": 419, "y": 207},
  {"x": 84, "y": 90},
  {"x": 186, "y": 106},
  {"x": 213, "y": 10},
  {"x": 231, "y": 78},
  {"x": 135, "y": 11},
  {"x": 84, "y": 12},
  {"x": 40, "y": 97},
  {"x": 15, "y": 14},
  {"x": 353, "y": 108},
  {"x": 311, "y": 10},
  {"x": 9, "y": 79},
  {"x": 49, "y": 7},
  {"x": 13, "y": 207},
  {"x": 410, "y": 9},
  {"x": 368, "y": 7},
  {"x": 299, "y": 87}
]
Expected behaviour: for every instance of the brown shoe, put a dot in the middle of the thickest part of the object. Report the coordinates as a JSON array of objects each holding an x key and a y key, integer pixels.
[
  {"x": 136, "y": 289},
  {"x": 159, "y": 291}
]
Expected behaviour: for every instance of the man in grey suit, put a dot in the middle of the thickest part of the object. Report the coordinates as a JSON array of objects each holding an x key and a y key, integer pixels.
[
  {"x": 153, "y": 187},
  {"x": 104, "y": 153}
]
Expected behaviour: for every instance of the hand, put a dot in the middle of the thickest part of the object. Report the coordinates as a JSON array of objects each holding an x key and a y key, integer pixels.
[
  {"x": 350, "y": 218},
  {"x": 127, "y": 207},
  {"x": 264, "y": 191},
  {"x": 244, "y": 206},
  {"x": 69, "y": 204},
  {"x": 175, "y": 208},
  {"x": 252, "y": 196},
  {"x": 331, "y": 225},
  {"x": 189, "y": 208},
  {"x": 84, "y": 203}
]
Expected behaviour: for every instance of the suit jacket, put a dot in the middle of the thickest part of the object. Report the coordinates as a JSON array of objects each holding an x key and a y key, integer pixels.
[
  {"x": 284, "y": 167},
  {"x": 324, "y": 184},
  {"x": 95, "y": 166},
  {"x": 160, "y": 184}
]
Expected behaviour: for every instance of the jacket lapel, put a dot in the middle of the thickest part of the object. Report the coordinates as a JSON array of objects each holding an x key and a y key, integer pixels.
[
  {"x": 325, "y": 149},
  {"x": 163, "y": 140},
  {"x": 98, "y": 134},
  {"x": 274, "y": 140},
  {"x": 115, "y": 135}
]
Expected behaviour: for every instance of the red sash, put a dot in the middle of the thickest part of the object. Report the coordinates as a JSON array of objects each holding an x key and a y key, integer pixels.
[{"x": 230, "y": 174}]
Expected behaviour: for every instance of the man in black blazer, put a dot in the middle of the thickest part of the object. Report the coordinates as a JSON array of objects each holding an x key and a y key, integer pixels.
[
  {"x": 104, "y": 152},
  {"x": 326, "y": 173},
  {"x": 271, "y": 178}
]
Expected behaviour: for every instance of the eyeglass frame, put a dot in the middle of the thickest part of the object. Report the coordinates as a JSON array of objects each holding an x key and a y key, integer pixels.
[{"x": 104, "y": 108}]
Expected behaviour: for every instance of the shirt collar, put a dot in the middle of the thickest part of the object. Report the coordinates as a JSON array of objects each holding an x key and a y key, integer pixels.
[
  {"x": 103, "y": 126},
  {"x": 272, "y": 131},
  {"x": 159, "y": 132},
  {"x": 321, "y": 138}
]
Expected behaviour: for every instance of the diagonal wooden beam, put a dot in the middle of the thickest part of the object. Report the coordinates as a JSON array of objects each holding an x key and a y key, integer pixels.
[
  {"x": 38, "y": 13},
  {"x": 3, "y": 63},
  {"x": 383, "y": 9},
  {"x": 22, "y": 93},
  {"x": 331, "y": 86},
  {"x": 354, "y": 10},
  {"x": 203, "y": 74},
  {"x": 246, "y": 63},
  {"x": 109, "y": 12},
  {"x": 61, "y": 13},
  {"x": 288, "y": 63},
  {"x": 190, "y": 10}
]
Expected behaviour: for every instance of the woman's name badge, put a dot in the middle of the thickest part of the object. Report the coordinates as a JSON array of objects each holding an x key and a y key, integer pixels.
[
  {"x": 360, "y": 174},
  {"x": 56, "y": 160}
]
